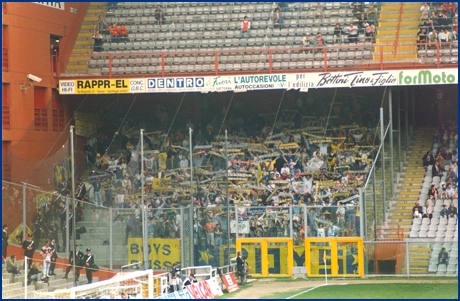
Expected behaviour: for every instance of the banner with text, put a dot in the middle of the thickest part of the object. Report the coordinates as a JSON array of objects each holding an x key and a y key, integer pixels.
[
  {"x": 85, "y": 124},
  {"x": 162, "y": 252},
  {"x": 302, "y": 81},
  {"x": 57, "y": 5}
]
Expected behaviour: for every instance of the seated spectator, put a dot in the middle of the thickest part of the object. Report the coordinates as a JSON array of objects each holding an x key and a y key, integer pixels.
[
  {"x": 12, "y": 265},
  {"x": 352, "y": 33},
  {"x": 437, "y": 136},
  {"x": 433, "y": 193},
  {"x": 443, "y": 257},
  {"x": 443, "y": 20},
  {"x": 34, "y": 274},
  {"x": 307, "y": 42},
  {"x": 433, "y": 21},
  {"x": 113, "y": 33},
  {"x": 437, "y": 170},
  {"x": 445, "y": 36},
  {"x": 338, "y": 34},
  {"x": 425, "y": 8},
  {"x": 318, "y": 10},
  {"x": 357, "y": 9},
  {"x": 444, "y": 211},
  {"x": 371, "y": 14},
  {"x": 449, "y": 9},
  {"x": 424, "y": 18},
  {"x": 245, "y": 27},
  {"x": 97, "y": 42},
  {"x": 427, "y": 211},
  {"x": 123, "y": 33},
  {"x": 417, "y": 211},
  {"x": 432, "y": 38},
  {"x": 453, "y": 212},
  {"x": 421, "y": 36},
  {"x": 370, "y": 33},
  {"x": 319, "y": 42},
  {"x": 277, "y": 19},
  {"x": 443, "y": 192},
  {"x": 362, "y": 20},
  {"x": 450, "y": 192},
  {"x": 159, "y": 15},
  {"x": 439, "y": 157}
]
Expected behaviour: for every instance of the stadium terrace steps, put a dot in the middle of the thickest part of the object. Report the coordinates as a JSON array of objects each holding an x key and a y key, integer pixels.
[
  {"x": 79, "y": 59},
  {"x": 409, "y": 186},
  {"x": 419, "y": 257},
  {"x": 388, "y": 31},
  {"x": 13, "y": 286}
]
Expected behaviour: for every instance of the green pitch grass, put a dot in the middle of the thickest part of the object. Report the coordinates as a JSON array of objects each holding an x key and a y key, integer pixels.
[{"x": 376, "y": 291}]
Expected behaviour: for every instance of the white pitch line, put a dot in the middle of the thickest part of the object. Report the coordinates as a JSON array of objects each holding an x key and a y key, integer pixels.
[{"x": 310, "y": 289}]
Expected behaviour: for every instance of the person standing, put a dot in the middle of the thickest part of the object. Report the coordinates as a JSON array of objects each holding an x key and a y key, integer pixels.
[
  {"x": 88, "y": 259},
  {"x": 240, "y": 263},
  {"x": 102, "y": 24},
  {"x": 277, "y": 19},
  {"x": 338, "y": 34},
  {"x": 4, "y": 240},
  {"x": 245, "y": 27},
  {"x": 78, "y": 255},
  {"x": 54, "y": 256},
  {"x": 97, "y": 47},
  {"x": 352, "y": 33},
  {"x": 29, "y": 245},
  {"x": 159, "y": 15},
  {"x": 46, "y": 254}
]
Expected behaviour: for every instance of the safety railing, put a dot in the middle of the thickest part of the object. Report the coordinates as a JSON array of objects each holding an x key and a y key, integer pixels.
[{"x": 361, "y": 56}]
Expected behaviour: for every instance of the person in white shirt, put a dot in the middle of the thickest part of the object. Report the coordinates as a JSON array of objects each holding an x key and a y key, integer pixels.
[
  {"x": 320, "y": 231},
  {"x": 444, "y": 36},
  {"x": 120, "y": 199},
  {"x": 352, "y": 33},
  {"x": 149, "y": 163},
  {"x": 427, "y": 211},
  {"x": 425, "y": 8},
  {"x": 285, "y": 171},
  {"x": 245, "y": 27},
  {"x": 450, "y": 192}
]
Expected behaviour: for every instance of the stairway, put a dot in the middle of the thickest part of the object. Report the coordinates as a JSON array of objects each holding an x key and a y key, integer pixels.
[
  {"x": 13, "y": 286},
  {"x": 411, "y": 181},
  {"x": 83, "y": 48},
  {"x": 419, "y": 258},
  {"x": 387, "y": 31}
]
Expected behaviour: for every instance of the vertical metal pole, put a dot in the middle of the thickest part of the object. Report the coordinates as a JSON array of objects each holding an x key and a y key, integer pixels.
[
  {"x": 390, "y": 115},
  {"x": 67, "y": 242},
  {"x": 145, "y": 240},
  {"x": 290, "y": 220},
  {"x": 191, "y": 184},
  {"x": 74, "y": 230},
  {"x": 399, "y": 132},
  {"x": 407, "y": 259},
  {"x": 375, "y": 201},
  {"x": 111, "y": 238},
  {"x": 24, "y": 212},
  {"x": 228, "y": 201},
  {"x": 192, "y": 246},
  {"x": 237, "y": 233},
  {"x": 413, "y": 109},
  {"x": 382, "y": 141},
  {"x": 305, "y": 221},
  {"x": 406, "y": 118},
  {"x": 362, "y": 212},
  {"x": 182, "y": 245}
]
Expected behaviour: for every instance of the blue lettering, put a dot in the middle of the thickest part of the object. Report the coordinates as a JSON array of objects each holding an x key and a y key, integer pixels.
[
  {"x": 179, "y": 82},
  {"x": 160, "y": 83},
  {"x": 189, "y": 82},
  {"x": 170, "y": 83},
  {"x": 199, "y": 82},
  {"x": 151, "y": 83}
]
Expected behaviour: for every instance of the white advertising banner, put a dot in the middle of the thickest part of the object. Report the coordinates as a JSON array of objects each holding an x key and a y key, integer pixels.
[
  {"x": 238, "y": 83},
  {"x": 58, "y": 5}
]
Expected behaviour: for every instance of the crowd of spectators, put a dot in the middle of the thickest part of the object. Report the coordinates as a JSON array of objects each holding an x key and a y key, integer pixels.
[
  {"x": 270, "y": 170},
  {"x": 438, "y": 23},
  {"x": 444, "y": 172}
]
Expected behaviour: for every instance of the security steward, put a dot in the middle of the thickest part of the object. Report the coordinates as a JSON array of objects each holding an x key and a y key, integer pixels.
[
  {"x": 88, "y": 259},
  {"x": 78, "y": 263},
  {"x": 29, "y": 245}
]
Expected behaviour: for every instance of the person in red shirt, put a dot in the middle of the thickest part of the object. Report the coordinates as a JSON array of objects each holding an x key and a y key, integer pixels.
[
  {"x": 245, "y": 27},
  {"x": 209, "y": 227},
  {"x": 113, "y": 33},
  {"x": 123, "y": 32}
]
